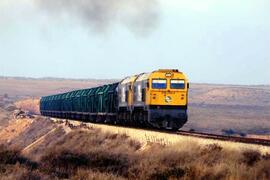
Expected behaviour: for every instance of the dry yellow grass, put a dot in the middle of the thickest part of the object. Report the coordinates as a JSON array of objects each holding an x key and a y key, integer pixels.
[
  {"x": 31, "y": 105},
  {"x": 150, "y": 136},
  {"x": 4, "y": 118},
  {"x": 95, "y": 151},
  {"x": 14, "y": 129}
]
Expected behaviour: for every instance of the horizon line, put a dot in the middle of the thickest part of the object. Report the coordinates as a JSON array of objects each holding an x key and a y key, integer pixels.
[{"x": 116, "y": 79}]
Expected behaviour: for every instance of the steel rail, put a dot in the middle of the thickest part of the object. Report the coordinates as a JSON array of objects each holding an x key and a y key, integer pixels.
[{"x": 245, "y": 140}]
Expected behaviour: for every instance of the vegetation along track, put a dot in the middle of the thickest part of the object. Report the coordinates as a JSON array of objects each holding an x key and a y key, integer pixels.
[
  {"x": 245, "y": 140},
  {"x": 263, "y": 142}
]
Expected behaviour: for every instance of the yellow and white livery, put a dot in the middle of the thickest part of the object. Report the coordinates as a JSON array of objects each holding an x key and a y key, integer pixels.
[{"x": 158, "y": 99}]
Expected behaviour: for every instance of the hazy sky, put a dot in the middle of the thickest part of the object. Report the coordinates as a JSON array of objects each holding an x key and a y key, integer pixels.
[{"x": 213, "y": 41}]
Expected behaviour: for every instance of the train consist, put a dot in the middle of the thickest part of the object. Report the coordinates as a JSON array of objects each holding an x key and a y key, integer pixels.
[{"x": 158, "y": 99}]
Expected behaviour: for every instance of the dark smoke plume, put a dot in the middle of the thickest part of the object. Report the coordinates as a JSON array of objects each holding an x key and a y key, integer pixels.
[{"x": 140, "y": 16}]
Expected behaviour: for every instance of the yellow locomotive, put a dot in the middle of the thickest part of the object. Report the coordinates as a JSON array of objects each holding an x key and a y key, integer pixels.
[{"x": 158, "y": 99}]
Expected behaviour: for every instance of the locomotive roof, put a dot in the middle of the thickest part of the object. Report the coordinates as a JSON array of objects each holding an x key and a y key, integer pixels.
[
  {"x": 143, "y": 76},
  {"x": 129, "y": 79}
]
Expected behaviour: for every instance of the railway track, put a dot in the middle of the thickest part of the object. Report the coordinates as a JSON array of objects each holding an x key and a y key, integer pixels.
[{"x": 245, "y": 140}]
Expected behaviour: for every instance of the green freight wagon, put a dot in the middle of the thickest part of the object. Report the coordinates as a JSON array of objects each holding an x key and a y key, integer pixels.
[{"x": 97, "y": 104}]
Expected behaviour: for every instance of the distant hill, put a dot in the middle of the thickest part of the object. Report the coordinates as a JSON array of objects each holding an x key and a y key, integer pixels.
[
  {"x": 36, "y": 87},
  {"x": 229, "y": 109}
]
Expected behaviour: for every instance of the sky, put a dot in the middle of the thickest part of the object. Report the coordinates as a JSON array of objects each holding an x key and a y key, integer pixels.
[{"x": 211, "y": 41}]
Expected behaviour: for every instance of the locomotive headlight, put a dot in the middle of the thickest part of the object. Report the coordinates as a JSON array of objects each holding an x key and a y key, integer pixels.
[{"x": 169, "y": 75}]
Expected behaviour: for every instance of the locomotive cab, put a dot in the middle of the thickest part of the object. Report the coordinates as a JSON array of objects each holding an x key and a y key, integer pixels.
[
  {"x": 161, "y": 97},
  {"x": 167, "y": 102}
]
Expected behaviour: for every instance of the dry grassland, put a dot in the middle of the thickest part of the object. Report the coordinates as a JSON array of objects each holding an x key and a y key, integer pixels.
[
  {"x": 152, "y": 136},
  {"x": 29, "y": 104},
  {"x": 94, "y": 152}
]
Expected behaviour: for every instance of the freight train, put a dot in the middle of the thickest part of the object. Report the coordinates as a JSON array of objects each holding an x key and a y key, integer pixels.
[{"x": 158, "y": 99}]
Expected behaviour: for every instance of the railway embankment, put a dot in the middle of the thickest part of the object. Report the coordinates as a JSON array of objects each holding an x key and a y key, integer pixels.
[{"x": 166, "y": 138}]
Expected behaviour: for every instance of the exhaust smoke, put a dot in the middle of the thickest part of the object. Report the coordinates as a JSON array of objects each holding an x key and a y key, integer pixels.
[{"x": 139, "y": 16}]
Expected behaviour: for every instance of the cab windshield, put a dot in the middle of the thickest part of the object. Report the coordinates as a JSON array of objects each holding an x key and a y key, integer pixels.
[
  {"x": 159, "y": 83},
  {"x": 177, "y": 84}
]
